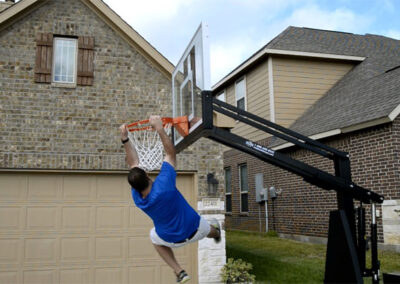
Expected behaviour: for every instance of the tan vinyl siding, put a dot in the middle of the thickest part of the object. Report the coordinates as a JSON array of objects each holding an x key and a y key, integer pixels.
[
  {"x": 257, "y": 99},
  {"x": 230, "y": 95},
  {"x": 299, "y": 83}
]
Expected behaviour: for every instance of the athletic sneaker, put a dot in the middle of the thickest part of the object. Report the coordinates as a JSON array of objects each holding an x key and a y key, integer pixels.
[
  {"x": 182, "y": 277},
  {"x": 217, "y": 226}
]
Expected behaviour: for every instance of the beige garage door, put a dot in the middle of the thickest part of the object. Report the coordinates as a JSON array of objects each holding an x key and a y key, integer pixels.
[{"x": 80, "y": 228}]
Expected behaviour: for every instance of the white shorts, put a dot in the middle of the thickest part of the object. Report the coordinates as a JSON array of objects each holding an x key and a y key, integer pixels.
[{"x": 202, "y": 232}]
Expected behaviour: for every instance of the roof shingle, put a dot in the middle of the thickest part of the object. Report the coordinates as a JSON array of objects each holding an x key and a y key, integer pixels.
[{"x": 371, "y": 90}]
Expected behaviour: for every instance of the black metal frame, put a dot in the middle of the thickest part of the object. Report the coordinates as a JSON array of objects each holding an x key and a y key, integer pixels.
[{"x": 347, "y": 266}]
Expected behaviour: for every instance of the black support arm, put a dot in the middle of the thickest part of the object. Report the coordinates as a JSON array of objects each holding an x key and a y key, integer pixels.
[
  {"x": 310, "y": 174},
  {"x": 343, "y": 259}
]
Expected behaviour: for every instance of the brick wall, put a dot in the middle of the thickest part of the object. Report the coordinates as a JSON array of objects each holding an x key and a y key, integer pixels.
[
  {"x": 47, "y": 127},
  {"x": 44, "y": 127},
  {"x": 303, "y": 209}
]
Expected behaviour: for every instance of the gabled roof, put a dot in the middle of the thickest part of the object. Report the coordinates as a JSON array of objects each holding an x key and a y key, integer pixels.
[
  {"x": 23, "y": 7},
  {"x": 368, "y": 95}
]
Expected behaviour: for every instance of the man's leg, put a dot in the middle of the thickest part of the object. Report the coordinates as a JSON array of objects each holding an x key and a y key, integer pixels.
[
  {"x": 214, "y": 232},
  {"x": 168, "y": 256}
]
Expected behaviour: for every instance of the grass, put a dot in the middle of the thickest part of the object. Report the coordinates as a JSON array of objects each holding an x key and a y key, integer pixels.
[{"x": 277, "y": 260}]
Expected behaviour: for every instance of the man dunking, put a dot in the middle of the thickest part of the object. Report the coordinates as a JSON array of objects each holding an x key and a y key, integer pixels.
[{"x": 176, "y": 223}]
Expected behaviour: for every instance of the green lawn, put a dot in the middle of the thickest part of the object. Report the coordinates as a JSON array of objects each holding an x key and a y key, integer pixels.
[{"x": 278, "y": 260}]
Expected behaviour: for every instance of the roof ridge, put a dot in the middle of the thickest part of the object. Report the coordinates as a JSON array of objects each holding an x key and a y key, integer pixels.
[
  {"x": 323, "y": 30},
  {"x": 276, "y": 38}
]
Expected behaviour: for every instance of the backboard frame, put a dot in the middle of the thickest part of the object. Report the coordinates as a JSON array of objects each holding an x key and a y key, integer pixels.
[{"x": 194, "y": 68}]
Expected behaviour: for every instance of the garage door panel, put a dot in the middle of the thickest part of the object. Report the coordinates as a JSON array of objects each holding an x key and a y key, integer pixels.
[
  {"x": 69, "y": 276},
  {"x": 109, "y": 248},
  {"x": 141, "y": 248},
  {"x": 80, "y": 228},
  {"x": 111, "y": 188},
  {"x": 9, "y": 277},
  {"x": 40, "y": 250},
  {"x": 76, "y": 218},
  {"x": 108, "y": 275},
  {"x": 41, "y": 276},
  {"x": 79, "y": 188},
  {"x": 11, "y": 218},
  {"x": 13, "y": 187},
  {"x": 41, "y": 218},
  {"x": 10, "y": 251},
  {"x": 167, "y": 276},
  {"x": 185, "y": 186},
  {"x": 44, "y": 187},
  {"x": 143, "y": 275},
  {"x": 110, "y": 218},
  {"x": 75, "y": 249},
  {"x": 182, "y": 251}
]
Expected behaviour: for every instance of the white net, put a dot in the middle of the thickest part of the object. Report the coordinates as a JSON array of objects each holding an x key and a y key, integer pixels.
[{"x": 149, "y": 147}]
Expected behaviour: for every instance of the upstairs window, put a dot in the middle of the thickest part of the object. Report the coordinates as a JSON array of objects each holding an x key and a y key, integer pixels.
[
  {"x": 244, "y": 191},
  {"x": 228, "y": 189},
  {"x": 221, "y": 96},
  {"x": 240, "y": 93},
  {"x": 65, "y": 60}
]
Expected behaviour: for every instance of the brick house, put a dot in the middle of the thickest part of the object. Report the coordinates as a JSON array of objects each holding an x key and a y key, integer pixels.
[
  {"x": 70, "y": 73},
  {"x": 339, "y": 88}
]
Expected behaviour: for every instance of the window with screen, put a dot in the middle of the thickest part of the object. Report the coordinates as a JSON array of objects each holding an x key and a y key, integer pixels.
[
  {"x": 243, "y": 186},
  {"x": 240, "y": 93},
  {"x": 65, "y": 60},
  {"x": 228, "y": 189}
]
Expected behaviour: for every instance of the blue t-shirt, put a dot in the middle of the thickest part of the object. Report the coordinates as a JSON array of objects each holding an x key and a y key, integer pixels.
[{"x": 173, "y": 217}]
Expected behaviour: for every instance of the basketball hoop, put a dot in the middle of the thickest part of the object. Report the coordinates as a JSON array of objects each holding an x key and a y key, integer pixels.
[{"x": 147, "y": 142}]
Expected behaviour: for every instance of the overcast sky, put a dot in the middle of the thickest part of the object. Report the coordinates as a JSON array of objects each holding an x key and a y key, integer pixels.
[{"x": 238, "y": 28}]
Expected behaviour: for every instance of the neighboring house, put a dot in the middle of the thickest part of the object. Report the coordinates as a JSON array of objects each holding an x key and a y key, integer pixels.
[
  {"x": 70, "y": 73},
  {"x": 340, "y": 88}
]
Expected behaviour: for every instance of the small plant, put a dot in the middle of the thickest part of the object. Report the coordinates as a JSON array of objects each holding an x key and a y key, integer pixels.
[
  {"x": 272, "y": 234},
  {"x": 237, "y": 271}
]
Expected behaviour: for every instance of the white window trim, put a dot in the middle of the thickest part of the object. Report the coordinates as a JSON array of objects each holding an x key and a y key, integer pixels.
[
  {"x": 271, "y": 89},
  {"x": 75, "y": 73},
  {"x": 240, "y": 189},
  {"x": 245, "y": 91},
  {"x": 228, "y": 193}
]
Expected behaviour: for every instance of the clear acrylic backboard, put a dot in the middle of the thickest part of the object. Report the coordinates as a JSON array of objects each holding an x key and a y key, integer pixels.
[{"x": 190, "y": 76}]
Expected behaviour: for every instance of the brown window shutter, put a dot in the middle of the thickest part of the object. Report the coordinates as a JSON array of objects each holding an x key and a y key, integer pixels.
[
  {"x": 44, "y": 57},
  {"x": 85, "y": 61}
]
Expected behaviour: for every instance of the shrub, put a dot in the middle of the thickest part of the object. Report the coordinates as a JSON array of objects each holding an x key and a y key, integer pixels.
[
  {"x": 237, "y": 271},
  {"x": 272, "y": 234}
]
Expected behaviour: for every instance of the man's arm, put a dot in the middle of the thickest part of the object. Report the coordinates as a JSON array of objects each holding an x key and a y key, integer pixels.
[
  {"x": 132, "y": 157},
  {"x": 170, "y": 153}
]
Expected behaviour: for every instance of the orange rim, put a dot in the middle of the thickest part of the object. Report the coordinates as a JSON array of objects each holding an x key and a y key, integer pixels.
[{"x": 180, "y": 123}]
